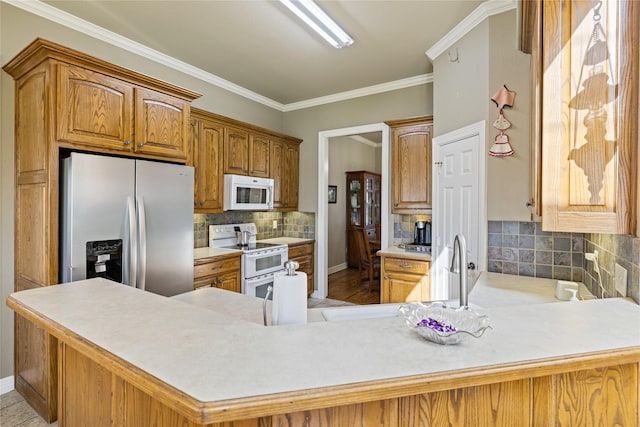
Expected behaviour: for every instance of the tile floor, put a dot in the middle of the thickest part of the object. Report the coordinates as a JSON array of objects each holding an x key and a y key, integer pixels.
[{"x": 16, "y": 412}]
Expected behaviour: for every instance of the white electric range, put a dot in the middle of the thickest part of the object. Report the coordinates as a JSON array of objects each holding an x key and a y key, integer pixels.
[{"x": 260, "y": 261}]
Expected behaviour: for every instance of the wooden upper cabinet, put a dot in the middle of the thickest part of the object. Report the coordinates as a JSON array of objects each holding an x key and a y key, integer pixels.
[
  {"x": 589, "y": 115},
  {"x": 108, "y": 113},
  {"x": 207, "y": 137},
  {"x": 411, "y": 165},
  {"x": 259, "y": 149},
  {"x": 94, "y": 109},
  {"x": 162, "y": 124},
  {"x": 236, "y": 151},
  {"x": 284, "y": 165}
]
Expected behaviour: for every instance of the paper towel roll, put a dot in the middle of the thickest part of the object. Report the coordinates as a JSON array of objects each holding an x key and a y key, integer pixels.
[{"x": 289, "y": 303}]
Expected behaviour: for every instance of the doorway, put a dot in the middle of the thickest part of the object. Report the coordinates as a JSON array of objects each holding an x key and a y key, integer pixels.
[{"x": 322, "y": 219}]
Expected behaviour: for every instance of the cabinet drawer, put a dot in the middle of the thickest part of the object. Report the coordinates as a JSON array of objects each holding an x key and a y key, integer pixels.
[
  {"x": 216, "y": 267},
  {"x": 406, "y": 265},
  {"x": 300, "y": 250}
]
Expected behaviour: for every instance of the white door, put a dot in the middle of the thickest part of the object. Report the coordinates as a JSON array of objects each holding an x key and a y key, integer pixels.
[{"x": 459, "y": 190}]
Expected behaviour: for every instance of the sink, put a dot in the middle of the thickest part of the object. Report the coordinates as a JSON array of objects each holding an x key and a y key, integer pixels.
[
  {"x": 361, "y": 312},
  {"x": 374, "y": 310}
]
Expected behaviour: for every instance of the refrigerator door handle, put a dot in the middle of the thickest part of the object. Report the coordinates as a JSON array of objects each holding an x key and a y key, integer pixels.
[
  {"x": 142, "y": 230},
  {"x": 133, "y": 246}
]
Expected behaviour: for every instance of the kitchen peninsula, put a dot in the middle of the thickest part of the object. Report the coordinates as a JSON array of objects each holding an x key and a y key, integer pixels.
[{"x": 132, "y": 358}]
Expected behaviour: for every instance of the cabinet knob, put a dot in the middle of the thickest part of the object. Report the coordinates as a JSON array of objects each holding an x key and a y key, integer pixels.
[
  {"x": 127, "y": 142},
  {"x": 141, "y": 145}
]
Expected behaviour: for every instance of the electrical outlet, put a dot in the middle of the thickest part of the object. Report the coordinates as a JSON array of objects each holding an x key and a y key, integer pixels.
[
  {"x": 620, "y": 279},
  {"x": 275, "y": 224}
]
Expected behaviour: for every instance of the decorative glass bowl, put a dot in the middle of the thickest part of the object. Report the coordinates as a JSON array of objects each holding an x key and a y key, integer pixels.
[{"x": 444, "y": 325}]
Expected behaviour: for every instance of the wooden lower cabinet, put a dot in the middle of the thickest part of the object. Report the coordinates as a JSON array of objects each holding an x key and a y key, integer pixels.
[
  {"x": 564, "y": 393},
  {"x": 404, "y": 280},
  {"x": 304, "y": 254},
  {"x": 218, "y": 272}
]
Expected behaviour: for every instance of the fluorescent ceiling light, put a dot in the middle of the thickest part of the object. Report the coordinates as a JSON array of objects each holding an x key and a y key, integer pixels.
[{"x": 321, "y": 23}]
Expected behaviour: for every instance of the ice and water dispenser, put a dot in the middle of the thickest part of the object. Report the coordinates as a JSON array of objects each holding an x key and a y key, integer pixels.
[{"x": 104, "y": 259}]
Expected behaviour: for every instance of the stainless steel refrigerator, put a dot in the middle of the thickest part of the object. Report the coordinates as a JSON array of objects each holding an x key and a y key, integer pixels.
[{"x": 127, "y": 220}]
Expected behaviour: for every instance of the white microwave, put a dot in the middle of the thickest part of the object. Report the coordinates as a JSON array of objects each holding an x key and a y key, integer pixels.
[{"x": 243, "y": 193}]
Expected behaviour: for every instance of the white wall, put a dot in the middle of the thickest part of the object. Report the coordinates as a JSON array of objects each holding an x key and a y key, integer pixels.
[
  {"x": 462, "y": 95},
  {"x": 345, "y": 155},
  {"x": 305, "y": 124}
]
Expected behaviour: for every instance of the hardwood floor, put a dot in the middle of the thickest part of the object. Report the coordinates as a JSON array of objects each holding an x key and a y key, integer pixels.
[{"x": 345, "y": 286}]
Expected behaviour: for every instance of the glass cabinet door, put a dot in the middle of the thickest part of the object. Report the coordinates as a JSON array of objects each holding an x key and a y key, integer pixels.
[
  {"x": 368, "y": 200},
  {"x": 354, "y": 201}
]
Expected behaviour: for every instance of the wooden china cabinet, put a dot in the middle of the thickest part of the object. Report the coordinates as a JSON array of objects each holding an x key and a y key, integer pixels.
[
  {"x": 363, "y": 209},
  {"x": 66, "y": 100}
]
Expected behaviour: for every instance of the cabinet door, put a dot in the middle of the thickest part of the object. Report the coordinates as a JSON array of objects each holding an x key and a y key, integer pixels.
[
  {"x": 208, "y": 146},
  {"x": 236, "y": 151},
  {"x": 94, "y": 109},
  {"x": 292, "y": 162},
  {"x": 277, "y": 159},
  {"x": 404, "y": 288},
  {"x": 162, "y": 125},
  {"x": 259, "y": 156},
  {"x": 411, "y": 169},
  {"x": 230, "y": 282},
  {"x": 284, "y": 165},
  {"x": 589, "y": 115}
]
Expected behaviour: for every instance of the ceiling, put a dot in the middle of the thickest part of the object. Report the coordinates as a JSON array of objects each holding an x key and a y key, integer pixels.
[{"x": 261, "y": 46}]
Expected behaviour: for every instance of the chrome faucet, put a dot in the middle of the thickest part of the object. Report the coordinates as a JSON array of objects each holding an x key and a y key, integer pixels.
[{"x": 460, "y": 243}]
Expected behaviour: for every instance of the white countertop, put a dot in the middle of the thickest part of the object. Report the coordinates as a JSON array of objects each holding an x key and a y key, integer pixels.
[
  {"x": 180, "y": 342},
  {"x": 397, "y": 251},
  {"x": 208, "y": 252},
  {"x": 499, "y": 290}
]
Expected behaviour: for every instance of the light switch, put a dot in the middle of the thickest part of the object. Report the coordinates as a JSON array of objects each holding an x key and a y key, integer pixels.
[
  {"x": 620, "y": 280},
  {"x": 275, "y": 224}
]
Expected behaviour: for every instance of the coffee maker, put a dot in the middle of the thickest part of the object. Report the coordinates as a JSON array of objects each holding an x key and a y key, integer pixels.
[{"x": 422, "y": 233}]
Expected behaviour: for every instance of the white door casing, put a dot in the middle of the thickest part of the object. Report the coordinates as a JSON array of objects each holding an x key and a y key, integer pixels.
[
  {"x": 459, "y": 189},
  {"x": 322, "y": 229}
]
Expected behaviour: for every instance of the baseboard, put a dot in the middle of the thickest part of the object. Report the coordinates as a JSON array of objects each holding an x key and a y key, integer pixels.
[
  {"x": 337, "y": 268},
  {"x": 6, "y": 384}
]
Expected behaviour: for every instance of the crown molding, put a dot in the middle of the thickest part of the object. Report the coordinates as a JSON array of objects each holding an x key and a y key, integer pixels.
[
  {"x": 361, "y": 139},
  {"x": 365, "y": 91},
  {"x": 482, "y": 12},
  {"x": 68, "y": 20},
  {"x": 73, "y": 22}
]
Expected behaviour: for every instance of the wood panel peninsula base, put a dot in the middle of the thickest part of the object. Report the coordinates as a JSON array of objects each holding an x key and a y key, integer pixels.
[{"x": 193, "y": 366}]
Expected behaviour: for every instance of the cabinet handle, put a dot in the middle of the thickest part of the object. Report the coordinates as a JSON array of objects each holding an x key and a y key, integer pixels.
[
  {"x": 404, "y": 265},
  {"x": 216, "y": 267}
]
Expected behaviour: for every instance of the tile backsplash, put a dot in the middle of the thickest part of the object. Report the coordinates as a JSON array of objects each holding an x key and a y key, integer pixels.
[
  {"x": 290, "y": 224},
  {"x": 523, "y": 248}
]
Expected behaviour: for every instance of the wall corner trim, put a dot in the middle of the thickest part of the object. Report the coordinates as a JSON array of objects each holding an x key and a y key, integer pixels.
[{"x": 482, "y": 12}]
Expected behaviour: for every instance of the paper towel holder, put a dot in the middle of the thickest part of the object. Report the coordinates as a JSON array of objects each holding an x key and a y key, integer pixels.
[{"x": 290, "y": 266}]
